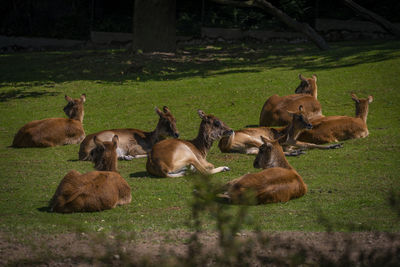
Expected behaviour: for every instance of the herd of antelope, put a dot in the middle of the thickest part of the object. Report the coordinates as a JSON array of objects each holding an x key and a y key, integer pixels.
[{"x": 303, "y": 127}]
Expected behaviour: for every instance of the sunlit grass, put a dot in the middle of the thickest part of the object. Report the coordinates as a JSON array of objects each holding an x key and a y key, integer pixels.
[{"x": 348, "y": 186}]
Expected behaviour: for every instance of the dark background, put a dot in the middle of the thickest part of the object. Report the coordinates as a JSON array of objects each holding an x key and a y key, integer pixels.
[{"x": 74, "y": 19}]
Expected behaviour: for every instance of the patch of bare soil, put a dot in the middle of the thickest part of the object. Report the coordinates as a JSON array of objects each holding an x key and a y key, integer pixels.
[{"x": 180, "y": 248}]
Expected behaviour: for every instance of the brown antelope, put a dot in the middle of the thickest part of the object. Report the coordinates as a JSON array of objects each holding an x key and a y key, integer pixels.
[
  {"x": 133, "y": 143},
  {"x": 248, "y": 140},
  {"x": 275, "y": 109},
  {"x": 338, "y": 128},
  {"x": 278, "y": 182},
  {"x": 96, "y": 190},
  {"x": 170, "y": 158},
  {"x": 54, "y": 131}
]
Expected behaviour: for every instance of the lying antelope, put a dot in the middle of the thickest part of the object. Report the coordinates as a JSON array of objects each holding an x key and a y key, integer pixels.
[
  {"x": 96, "y": 190},
  {"x": 337, "y": 128},
  {"x": 133, "y": 143},
  {"x": 278, "y": 182},
  {"x": 247, "y": 141},
  {"x": 170, "y": 158},
  {"x": 275, "y": 109},
  {"x": 54, "y": 131}
]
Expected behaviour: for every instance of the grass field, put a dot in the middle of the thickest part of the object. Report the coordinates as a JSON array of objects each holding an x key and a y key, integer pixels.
[{"x": 349, "y": 187}]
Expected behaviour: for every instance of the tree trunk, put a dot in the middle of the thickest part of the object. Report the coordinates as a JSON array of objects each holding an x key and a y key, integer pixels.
[
  {"x": 283, "y": 17},
  {"x": 369, "y": 15},
  {"x": 154, "y": 25}
]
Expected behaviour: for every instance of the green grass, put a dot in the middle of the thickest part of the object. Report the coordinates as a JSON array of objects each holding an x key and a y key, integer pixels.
[{"x": 348, "y": 186}]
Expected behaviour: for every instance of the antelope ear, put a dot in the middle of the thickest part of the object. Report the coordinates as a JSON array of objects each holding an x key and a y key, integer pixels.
[
  {"x": 115, "y": 141},
  {"x": 158, "y": 111},
  {"x": 370, "y": 99},
  {"x": 201, "y": 113},
  {"x": 166, "y": 109},
  {"x": 83, "y": 98},
  {"x": 355, "y": 98},
  {"x": 97, "y": 142},
  {"x": 291, "y": 112},
  {"x": 301, "y": 77},
  {"x": 314, "y": 77},
  {"x": 69, "y": 99}
]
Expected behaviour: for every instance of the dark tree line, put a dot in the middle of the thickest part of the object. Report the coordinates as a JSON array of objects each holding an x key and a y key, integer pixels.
[{"x": 156, "y": 22}]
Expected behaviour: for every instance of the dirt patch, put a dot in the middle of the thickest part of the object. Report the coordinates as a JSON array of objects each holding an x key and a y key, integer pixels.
[{"x": 176, "y": 248}]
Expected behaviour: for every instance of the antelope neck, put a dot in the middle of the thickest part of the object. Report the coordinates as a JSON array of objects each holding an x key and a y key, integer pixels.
[
  {"x": 278, "y": 159},
  {"x": 362, "y": 112},
  {"x": 203, "y": 142},
  {"x": 154, "y": 136},
  {"x": 290, "y": 132}
]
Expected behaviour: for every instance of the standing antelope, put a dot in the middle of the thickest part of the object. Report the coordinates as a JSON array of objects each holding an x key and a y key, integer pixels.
[
  {"x": 96, "y": 190},
  {"x": 337, "y": 128},
  {"x": 54, "y": 131},
  {"x": 278, "y": 182},
  {"x": 170, "y": 158},
  {"x": 275, "y": 109},
  {"x": 133, "y": 143},
  {"x": 248, "y": 140}
]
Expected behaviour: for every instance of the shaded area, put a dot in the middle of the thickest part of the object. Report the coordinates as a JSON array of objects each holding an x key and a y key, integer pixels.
[
  {"x": 194, "y": 61},
  {"x": 44, "y": 209},
  {"x": 19, "y": 94},
  {"x": 142, "y": 174}
]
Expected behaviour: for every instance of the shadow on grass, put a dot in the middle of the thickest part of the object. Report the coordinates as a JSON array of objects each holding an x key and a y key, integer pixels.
[
  {"x": 201, "y": 61},
  {"x": 20, "y": 94},
  {"x": 142, "y": 174},
  {"x": 44, "y": 209}
]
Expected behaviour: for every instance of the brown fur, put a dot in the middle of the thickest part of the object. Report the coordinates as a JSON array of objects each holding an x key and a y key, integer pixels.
[
  {"x": 96, "y": 190},
  {"x": 248, "y": 140},
  {"x": 133, "y": 143},
  {"x": 338, "y": 128},
  {"x": 275, "y": 109},
  {"x": 278, "y": 182},
  {"x": 170, "y": 158},
  {"x": 54, "y": 131}
]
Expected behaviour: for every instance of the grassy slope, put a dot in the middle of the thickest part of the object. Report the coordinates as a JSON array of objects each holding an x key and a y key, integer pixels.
[{"x": 349, "y": 185}]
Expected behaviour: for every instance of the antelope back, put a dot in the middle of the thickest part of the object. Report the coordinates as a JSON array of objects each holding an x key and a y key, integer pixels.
[
  {"x": 74, "y": 108},
  {"x": 92, "y": 191},
  {"x": 307, "y": 85},
  {"x": 104, "y": 155},
  {"x": 167, "y": 123}
]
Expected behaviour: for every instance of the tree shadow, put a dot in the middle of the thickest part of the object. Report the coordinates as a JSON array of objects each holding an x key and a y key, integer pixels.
[
  {"x": 20, "y": 94},
  {"x": 121, "y": 65}
]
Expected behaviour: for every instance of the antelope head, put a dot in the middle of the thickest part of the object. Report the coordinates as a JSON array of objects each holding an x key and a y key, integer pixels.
[
  {"x": 362, "y": 105},
  {"x": 167, "y": 123},
  {"x": 270, "y": 155},
  {"x": 300, "y": 120},
  {"x": 104, "y": 155},
  {"x": 74, "y": 108},
  {"x": 213, "y": 127},
  {"x": 307, "y": 85}
]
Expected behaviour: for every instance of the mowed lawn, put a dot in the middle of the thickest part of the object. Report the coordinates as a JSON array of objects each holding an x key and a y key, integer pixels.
[{"x": 348, "y": 187}]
